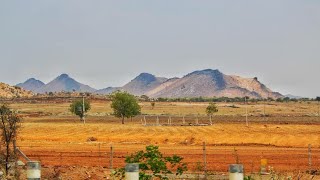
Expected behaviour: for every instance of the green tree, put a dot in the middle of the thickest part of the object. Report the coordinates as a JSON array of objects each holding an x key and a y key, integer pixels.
[
  {"x": 9, "y": 126},
  {"x": 124, "y": 105},
  {"x": 152, "y": 160},
  {"x": 145, "y": 98},
  {"x": 79, "y": 107},
  {"x": 153, "y": 104},
  {"x": 211, "y": 108}
]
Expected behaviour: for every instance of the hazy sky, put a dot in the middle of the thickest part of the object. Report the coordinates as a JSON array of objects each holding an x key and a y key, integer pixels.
[{"x": 107, "y": 43}]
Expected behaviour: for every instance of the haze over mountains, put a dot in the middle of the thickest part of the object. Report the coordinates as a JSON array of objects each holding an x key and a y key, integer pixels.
[{"x": 205, "y": 83}]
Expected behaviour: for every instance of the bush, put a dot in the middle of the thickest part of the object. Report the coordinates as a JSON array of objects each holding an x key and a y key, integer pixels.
[{"x": 151, "y": 160}]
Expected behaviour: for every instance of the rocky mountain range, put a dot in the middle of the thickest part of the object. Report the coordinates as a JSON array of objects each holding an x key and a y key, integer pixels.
[{"x": 205, "y": 83}]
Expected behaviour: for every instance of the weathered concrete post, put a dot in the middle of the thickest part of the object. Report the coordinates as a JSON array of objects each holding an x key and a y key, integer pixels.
[
  {"x": 236, "y": 172},
  {"x": 263, "y": 167},
  {"x": 33, "y": 170},
  {"x": 132, "y": 171}
]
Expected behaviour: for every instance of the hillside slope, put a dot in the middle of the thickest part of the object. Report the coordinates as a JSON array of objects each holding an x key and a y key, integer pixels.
[{"x": 7, "y": 91}]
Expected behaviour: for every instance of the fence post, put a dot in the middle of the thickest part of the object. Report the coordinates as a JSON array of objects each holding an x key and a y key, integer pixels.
[
  {"x": 99, "y": 153},
  {"x": 309, "y": 158},
  {"x": 111, "y": 157},
  {"x": 183, "y": 120},
  {"x": 145, "y": 121},
  {"x": 158, "y": 120},
  {"x": 205, "y": 160}
]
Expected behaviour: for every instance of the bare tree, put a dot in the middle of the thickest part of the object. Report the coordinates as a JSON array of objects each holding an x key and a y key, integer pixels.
[{"x": 9, "y": 125}]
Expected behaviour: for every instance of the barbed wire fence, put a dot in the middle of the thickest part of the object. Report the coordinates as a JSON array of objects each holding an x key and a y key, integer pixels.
[
  {"x": 192, "y": 120},
  {"x": 201, "y": 159}
]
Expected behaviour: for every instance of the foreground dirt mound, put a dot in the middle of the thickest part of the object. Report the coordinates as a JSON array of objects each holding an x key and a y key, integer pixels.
[{"x": 7, "y": 91}]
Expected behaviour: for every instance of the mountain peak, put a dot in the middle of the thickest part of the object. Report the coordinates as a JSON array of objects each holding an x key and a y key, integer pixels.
[
  {"x": 33, "y": 80},
  {"x": 205, "y": 72},
  {"x": 146, "y": 77},
  {"x": 31, "y": 84},
  {"x": 63, "y": 76},
  {"x": 30, "y": 80},
  {"x": 143, "y": 83},
  {"x": 65, "y": 83}
]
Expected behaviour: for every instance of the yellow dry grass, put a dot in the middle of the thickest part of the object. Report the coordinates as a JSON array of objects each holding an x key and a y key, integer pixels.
[
  {"x": 49, "y": 128},
  {"x": 182, "y": 108},
  {"x": 228, "y": 134}
]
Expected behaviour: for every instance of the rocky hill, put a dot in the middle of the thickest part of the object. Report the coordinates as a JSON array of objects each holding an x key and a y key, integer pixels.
[
  {"x": 143, "y": 83},
  {"x": 7, "y": 91},
  {"x": 31, "y": 84},
  {"x": 210, "y": 83},
  {"x": 64, "y": 83}
]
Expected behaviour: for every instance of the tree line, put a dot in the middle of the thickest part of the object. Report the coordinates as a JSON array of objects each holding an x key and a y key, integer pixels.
[
  {"x": 124, "y": 105},
  {"x": 223, "y": 99}
]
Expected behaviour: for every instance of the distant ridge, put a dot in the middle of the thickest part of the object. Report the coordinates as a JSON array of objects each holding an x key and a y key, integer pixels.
[
  {"x": 31, "y": 84},
  {"x": 107, "y": 90},
  {"x": 64, "y": 83},
  {"x": 293, "y": 96},
  {"x": 143, "y": 83},
  {"x": 204, "y": 83}
]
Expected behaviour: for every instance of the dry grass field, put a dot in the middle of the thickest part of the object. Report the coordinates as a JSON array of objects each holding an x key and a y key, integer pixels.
[
  {"x": 51, "y": 134},
  {"x": 101, "y": 108}
]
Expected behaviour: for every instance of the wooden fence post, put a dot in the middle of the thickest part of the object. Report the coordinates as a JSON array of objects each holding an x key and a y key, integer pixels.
[
  {"x": 158, "y": 121},
  {"x": 309, "y": 158},
  {"x": 99, "y": 153},
  {"x": 205, "y": 160},
  {"x": 111, "y": 157}
]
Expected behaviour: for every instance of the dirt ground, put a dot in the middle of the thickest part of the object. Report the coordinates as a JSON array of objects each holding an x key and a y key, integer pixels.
[{"x": 51, "y": 135}]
